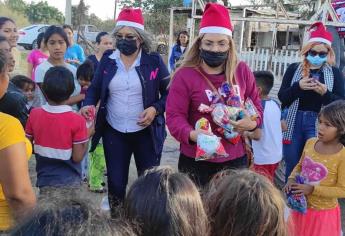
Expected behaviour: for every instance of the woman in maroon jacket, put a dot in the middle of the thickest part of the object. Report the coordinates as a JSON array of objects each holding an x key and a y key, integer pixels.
[{"x": 210, "y": 62}]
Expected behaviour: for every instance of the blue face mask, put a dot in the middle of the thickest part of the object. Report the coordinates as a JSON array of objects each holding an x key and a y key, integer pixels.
[{"x": 316, "y": 60}]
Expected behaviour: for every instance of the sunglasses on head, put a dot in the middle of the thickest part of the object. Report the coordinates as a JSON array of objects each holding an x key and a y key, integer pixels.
[{"x": 321, "y": 54}]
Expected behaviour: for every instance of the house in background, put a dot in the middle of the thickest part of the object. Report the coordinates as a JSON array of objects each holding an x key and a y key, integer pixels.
[{"x": 260, "y": 34}]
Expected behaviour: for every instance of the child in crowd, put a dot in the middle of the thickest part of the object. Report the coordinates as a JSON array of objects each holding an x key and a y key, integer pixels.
[
  {"x": 85, "y": 74},
  {"x": 27, "y": 86},
  {"x": 59, "y": 135},
  {"x": 322, "y": 166},
  {"x": 96, "y": 163},
  {"x": 56, "y": 41},
  {"x": 37, "y": 56},
  {"x": 163, "y": 202},
  {"x": 70, "y": 216},
  {"x": 267, "y": 140},
  {"x": 245, "y": 203}
]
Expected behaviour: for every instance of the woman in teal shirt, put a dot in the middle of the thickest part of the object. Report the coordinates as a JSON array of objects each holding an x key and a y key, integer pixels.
[{"x": 74, "y": 53}]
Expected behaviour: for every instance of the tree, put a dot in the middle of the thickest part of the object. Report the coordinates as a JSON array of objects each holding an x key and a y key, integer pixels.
[
  {"x": 41, "y": 12},
  {"x": 16, "y": 5},
  {"x": 80, "y": 14}
]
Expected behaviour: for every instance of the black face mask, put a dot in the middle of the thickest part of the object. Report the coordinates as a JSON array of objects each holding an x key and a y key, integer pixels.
[
  {"x": 213, "y": 59},
  {"x": 126, "y": 47}
]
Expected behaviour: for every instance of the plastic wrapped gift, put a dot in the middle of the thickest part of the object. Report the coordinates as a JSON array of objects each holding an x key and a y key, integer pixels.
[
  {"x": 297, "y": 203},
  {"x": 208, "y": 146}
]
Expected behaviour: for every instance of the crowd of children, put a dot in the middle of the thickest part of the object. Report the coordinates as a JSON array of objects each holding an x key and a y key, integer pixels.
[{"x": 163, "y": 201}]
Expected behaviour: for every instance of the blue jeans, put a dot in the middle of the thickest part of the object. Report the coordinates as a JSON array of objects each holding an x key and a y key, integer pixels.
[{"x": 304, "y": 129}]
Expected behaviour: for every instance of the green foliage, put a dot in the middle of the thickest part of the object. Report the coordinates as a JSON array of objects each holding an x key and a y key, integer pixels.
[
  {"x": 21, "y": 20},
  {"x": 41, "y": 12},
  {"x": 16, "y": 5}
]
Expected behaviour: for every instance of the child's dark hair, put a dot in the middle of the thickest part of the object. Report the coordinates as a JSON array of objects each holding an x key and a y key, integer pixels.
[
  {"x": 245, "y": 203},
  {"x": 70, "y": 215},
  {"x": 67, "y": 27},
  {"x": 85, "y": 71},
  {"x": 335, "y": 114},
  {"x": 21, "y": 80},
  {"x": 99, "y": 36},
  {"x": 39, "y": 39},
  {"x": 4, "y": 19},
  {"x": 3, "y": 61},
  {"x": 164, "y": 202},
  {"x": 264, "y": 80},
  {"x": 58, "y": 84},
  {"x": 53, "y": 29}
]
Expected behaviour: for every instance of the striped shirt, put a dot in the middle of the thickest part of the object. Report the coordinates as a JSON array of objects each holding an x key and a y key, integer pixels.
[{"x": 54, "y": 130}]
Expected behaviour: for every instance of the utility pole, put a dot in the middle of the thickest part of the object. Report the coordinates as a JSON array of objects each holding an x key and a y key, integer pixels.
[
  {"x": 68, "y": 12},
  {"x": 115, "y": 10}
]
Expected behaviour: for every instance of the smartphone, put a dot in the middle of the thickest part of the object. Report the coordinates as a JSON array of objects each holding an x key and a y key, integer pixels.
[{"x": 316, "y": 77}]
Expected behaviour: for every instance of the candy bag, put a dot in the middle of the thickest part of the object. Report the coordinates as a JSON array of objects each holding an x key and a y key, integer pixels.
[
  {"x": 251, "y": 109},
  {"x": 92, "y": 115},
  {"x": 234, "y": 99},
  {"x": 208, "y": 146},
  {"x": 297, "y": 203},
  {"x": 221, "y": 115}
]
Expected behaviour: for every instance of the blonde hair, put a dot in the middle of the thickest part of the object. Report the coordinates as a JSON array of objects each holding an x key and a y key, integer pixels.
[
  {"x": 193, "y": 59},
  {"x": 305, "y": 63},
  {"x": 245, "y": 203}
]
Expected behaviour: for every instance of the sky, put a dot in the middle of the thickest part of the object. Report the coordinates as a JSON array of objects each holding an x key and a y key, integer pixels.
[{"x": 104, "y": 9}]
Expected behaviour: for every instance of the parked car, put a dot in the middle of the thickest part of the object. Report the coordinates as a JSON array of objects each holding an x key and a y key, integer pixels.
[
  {"x": 28, "y": 35},
  {"x": 89, "y": 31}
]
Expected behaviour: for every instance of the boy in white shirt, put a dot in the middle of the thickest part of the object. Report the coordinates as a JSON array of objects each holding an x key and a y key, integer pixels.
[{"x": 267, "y": 140}]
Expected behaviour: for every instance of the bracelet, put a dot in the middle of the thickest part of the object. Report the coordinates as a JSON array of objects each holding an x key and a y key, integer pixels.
[{"x": 252, "y": 130}]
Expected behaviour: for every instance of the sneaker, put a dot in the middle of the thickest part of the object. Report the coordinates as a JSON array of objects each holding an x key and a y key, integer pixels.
[{"x": 98, "y": 190}]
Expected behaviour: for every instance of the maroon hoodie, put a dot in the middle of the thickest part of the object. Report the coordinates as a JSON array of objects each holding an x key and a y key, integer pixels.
[{"x": 188, "y": 90}]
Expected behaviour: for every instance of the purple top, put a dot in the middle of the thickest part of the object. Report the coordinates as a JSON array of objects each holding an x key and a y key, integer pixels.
[{"x": 188, "y": 90}]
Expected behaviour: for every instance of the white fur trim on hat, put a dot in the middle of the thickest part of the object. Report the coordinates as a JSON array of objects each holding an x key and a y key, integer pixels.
[
  {"x": 321, "y": 40},
  {"x": 130, "y": 23},
  {"x": 215, "y": 30}
]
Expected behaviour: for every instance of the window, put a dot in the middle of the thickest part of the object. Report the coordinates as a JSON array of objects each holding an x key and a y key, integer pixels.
[{"x": 92, "y": 28}]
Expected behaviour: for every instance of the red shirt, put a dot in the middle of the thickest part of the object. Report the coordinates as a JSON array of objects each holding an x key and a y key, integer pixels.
[
  {"x": 188, "y": 90},
  {"x": 54, "y": 130}
]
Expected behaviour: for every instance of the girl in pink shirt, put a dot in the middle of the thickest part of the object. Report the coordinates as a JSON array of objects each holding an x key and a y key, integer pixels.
[
  {"x": 210, "y": 60},
  {"x": 37, "y": 56}
]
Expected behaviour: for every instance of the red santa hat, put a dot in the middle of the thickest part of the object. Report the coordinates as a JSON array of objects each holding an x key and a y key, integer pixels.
[
  {"x": 216, "y": 19},
  {"x": 132, "y": 17},
  {"x": 318, "y": 33}
]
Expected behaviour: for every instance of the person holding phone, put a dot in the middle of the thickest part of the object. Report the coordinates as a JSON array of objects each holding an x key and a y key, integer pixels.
[{"x": 306, "y": 87}]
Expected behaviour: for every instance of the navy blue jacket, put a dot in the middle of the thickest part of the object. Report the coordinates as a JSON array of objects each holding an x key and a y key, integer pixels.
[
  {"x": 176, "y": 54},
  {"x": 154, "y": 78}
]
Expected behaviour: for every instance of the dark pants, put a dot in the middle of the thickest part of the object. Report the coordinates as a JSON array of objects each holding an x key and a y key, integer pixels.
[
  {"x": 201, "y": 172},
  {"x": 305, "y": 128},
  {"x": 118, "y": 150}
]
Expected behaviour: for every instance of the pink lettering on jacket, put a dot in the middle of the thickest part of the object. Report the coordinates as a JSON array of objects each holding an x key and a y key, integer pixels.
[{"x": 154, "y": 74}]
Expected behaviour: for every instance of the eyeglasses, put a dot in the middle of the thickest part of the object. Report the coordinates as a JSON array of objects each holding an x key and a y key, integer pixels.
[
  {"x": 127, "y": 37},
  {"x": 314, "y": 53}
]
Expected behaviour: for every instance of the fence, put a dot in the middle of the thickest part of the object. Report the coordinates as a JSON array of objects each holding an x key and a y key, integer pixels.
[{"x": 263, "y": 59}]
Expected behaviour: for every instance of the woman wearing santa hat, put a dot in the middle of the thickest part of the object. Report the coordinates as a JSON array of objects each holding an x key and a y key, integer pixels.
[
  {"x": 209, "y": 68},
  {"x": 131, "y": 84},
  {"x": 306, "y": 87}
]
